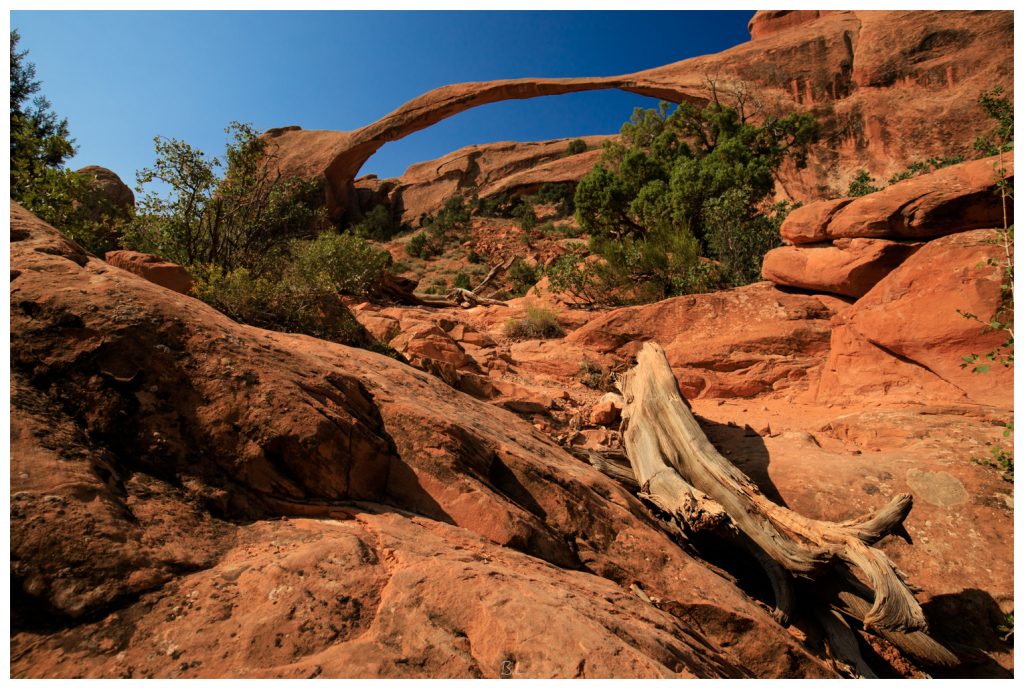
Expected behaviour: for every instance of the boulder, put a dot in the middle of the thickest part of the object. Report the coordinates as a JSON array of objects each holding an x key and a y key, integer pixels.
[
  {"x": 736, "y": 343},
  {"x": 906, "y": 338},
  {"x": 152, "y": 268},
  {"x": 849, "y": 267},
  {"x": 111, "y": 195},
  {"x": 954, "y": 199},
  {"x": 606, "y": 410},
  {"x": 162, "y": 443}
]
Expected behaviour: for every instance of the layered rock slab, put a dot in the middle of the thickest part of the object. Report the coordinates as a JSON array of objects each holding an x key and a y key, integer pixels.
[
  {"x": 906, "y": 338},
  {"x": 954, "y": 199},
  {"x": 152, "y": 268},
  {"x": 850, "y": 267},
  {"x": 739, "y": 343},
  {"x": 173, "y": 409}
]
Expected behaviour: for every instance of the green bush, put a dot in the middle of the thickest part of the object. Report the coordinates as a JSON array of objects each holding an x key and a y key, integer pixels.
[
  {"x": 538, "y": 323},
  {"x": 474, "y": 257},
  {"x": 377, "y": 225},
  {"x": 862, "y": 185},
  {"x": 286, "y": 304},
  {"x": 660, "y": 195},
  {"x": 233, "y": 214},
  {"x": 417, "y": 246},
  {"x": 461, "y": 281},
  {"x": 576, "y": 146},
  {"x": 525, "y": 216},
  {"x": 521, "y": 277},
  {"x": 339, "y": 263}
]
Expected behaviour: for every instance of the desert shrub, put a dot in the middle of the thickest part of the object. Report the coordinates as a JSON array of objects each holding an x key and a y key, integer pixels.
[
  {"x": 284, "y": 303},
  {"x": 570, "y": 274},
  {"x": 595, "y": 376},
  {"x": 378, "y": 225},
  {"x": 417, "y": 246},
  {"x": 576, "y": 146},
  {"x": 742, "y": 243},
  {"x": 440, "y": 227},
  {"x": 40, "y": 144},
  {"x": 558, "y": 194},
  {"x": 661, "y": 193},
  {"x": 538, "y": 323},
  {"x": 525, "y": 216},
  {"x": 461, "y": 281},
  {"x": 339, "y": 263},
  {"x": 862, "y": 184},
  {"x": 238, "y": 213},
  {"x": 999, "y": 108},
  {"x": 924, "y": 167},
  {"x": 521, "y": 277},
  {"x": 473, "y": 257}
]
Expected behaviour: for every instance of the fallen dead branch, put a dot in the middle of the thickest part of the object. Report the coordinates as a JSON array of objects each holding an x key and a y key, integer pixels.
[
  {"x": 679, "y": 470},
  {"x": 401, "y": 290}
]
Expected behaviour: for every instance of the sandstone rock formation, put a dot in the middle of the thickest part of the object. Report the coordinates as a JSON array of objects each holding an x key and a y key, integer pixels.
[
  {"x": 906, "y": 338},
  {"x": 157, "y": 445},
  {"x": 739, "y": 343},
  {"x": 152, "y": 268},
  {"x": 891, "y": 87},
  {"x": 111, "y": 192},
  {"x": 954, "y": 199},
  {"x": 485, "y": 170},
  {"x": 849, "y": 267}
]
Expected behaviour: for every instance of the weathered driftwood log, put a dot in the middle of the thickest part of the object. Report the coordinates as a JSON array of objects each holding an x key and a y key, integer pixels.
[
  {"x": 673, "y": 460},
  {"x": 402, "y": 291}
]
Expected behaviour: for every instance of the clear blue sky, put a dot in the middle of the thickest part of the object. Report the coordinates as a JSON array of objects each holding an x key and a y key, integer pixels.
[{"x": 123, "y": 77}]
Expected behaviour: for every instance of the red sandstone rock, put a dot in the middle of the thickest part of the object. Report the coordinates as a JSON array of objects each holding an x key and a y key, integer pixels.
[
  {"x": 113, "y": 194},
  {"x": 739, "y": 343},
  {"x": 953, "y": 199},
  {"x": 158, "y": 443},
  {"x": 849, "y": 267},
  {"x": 607, "y": 410},
  {"x": 487, "y": 170},
  {"x": 898, "y": 86},
  {"x": 767, "y": 22},
  {"x": 905, "y": 340},
  {"x": 152, "y": 268}
]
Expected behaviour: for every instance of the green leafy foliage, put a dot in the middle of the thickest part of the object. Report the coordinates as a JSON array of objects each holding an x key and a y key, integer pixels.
[
  {"x": 40, "y": 139},
  {"x": 862, "y": 185},
  {"x": 538, "y": 323},
  {"x": 661, "y": 195},
  {"x": 923, "y": 168},
  {"x": 461, "y": 280},
  {"x": 441, "y": 228},
  {"x": 286, "y": 303},
  {"x": 338, "y": 263},
  {"x": 40, "y": 144},
  {"x": 576, "y": 146},
  {"x": 1000, "y": 108},
  {"x": 417, "y": 246},
  {"x": 378, "y": 225},
  {"x": 242, "y": 218},
  {"x": 521, "y": 277}
]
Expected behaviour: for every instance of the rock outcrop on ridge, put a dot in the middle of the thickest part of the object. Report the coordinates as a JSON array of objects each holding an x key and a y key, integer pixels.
[
  {"x": 891, "y": 87},
  {"x": 157, "y": 445}
]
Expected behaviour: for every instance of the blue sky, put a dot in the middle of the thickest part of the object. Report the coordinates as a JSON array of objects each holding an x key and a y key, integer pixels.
[{"x": 123, "y": 77}]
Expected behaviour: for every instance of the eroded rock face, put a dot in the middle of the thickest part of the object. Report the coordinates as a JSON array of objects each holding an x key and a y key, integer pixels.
[
  {"x": 767, "y": 22},
  {"x": 739, "y": 343},
  {"x": 849, "y": 267},
  {"x": 485, "y": 170},
  {"x": 906, "y": 338},
  {"x": 891, "y": 88},
  {"x": 152, "y": 268},
  {"x": 954, "y": 199},
  {"x": 153, "y": 438},
  {"x": 113, "y": 194}
]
